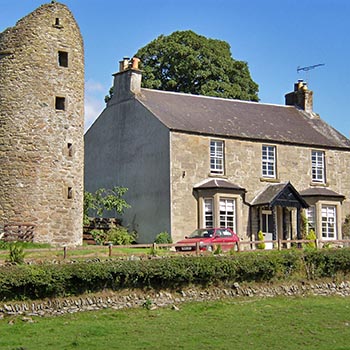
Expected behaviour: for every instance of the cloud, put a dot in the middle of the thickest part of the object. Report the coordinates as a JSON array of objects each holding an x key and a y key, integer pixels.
[
  {"x": 93, "y": 86},
  {"x": 94, "y": 101}
]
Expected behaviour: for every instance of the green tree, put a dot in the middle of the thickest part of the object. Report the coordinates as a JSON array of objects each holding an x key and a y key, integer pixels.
[
  {"x": 105, "y": 200},
  {"x": 187, "y": 62}
]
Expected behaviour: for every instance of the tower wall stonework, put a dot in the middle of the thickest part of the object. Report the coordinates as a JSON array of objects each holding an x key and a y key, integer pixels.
[{"x": 42, "y": 124}]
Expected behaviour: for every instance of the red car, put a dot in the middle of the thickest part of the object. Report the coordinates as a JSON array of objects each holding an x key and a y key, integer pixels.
[{"x": 208, "y": 239}]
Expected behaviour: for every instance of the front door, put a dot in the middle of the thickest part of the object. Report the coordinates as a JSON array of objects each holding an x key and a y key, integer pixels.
[{"x": 267, "y": 227}]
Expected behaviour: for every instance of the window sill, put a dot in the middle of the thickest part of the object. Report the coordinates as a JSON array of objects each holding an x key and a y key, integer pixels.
[
  {"x": 319, "y": 184},
  {"x": 269, "y": 179},
  {"x": 221, "y": 176}
]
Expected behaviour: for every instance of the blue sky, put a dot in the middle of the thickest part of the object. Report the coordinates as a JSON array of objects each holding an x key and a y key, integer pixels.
[{"x": 273, "y": 36}]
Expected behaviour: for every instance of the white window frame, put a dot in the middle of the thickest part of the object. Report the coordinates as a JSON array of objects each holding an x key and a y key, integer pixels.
[
  {"x": 329, "y": 221},
  {"x": 311, "y": 218},
  {"x": 268, "y": 161},
  {"x": 318, "y": 166},
  {"x": 208, "y": 212},
  {"x": 217, "y": 160},
  {"x": 227, "y": 212}
]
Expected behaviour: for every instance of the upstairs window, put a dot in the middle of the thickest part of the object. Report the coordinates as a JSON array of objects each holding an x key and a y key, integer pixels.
[
  {"x": 63, "y": 59},
  {"x": 216, "y": 157},
  {"x": 318, "y": 166},
  {"x": 268, "y": 161},
  {"x": 60, "y": 103}
]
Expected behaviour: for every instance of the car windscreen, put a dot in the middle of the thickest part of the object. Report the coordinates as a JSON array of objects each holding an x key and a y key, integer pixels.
[{"x": 202, "y": 233}]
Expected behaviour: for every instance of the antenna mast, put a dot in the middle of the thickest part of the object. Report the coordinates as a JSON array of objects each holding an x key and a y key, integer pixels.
[{"x": 306, "y": 69}]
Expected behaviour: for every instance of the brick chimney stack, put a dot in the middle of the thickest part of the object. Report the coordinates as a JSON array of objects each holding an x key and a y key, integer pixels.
[{"x": 301, "y": 97}]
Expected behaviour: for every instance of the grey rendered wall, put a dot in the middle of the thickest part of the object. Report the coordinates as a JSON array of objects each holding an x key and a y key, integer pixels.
[{"x": 127, "y": 146}]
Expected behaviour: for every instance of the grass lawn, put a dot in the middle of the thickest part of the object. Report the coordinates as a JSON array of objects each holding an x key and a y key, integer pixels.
[{"x": 242, "y": 323}]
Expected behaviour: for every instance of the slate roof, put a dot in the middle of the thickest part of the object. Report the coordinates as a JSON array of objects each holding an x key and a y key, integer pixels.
[
  {"x": 241, "y": 119},
  {"x": 320, "y": 192},
  {"x": 274, "y": 192},
  {"x": 218, "y": 183}
]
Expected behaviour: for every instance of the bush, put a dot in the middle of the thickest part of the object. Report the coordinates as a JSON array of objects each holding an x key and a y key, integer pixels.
[
  {"x": 163, "y": 238},
  {"x": 261, "y": 239},
  {"x": 98, "y": 235},
  {"x": 311, "y": 236},
  {"x": 120, "y": 236},
  {"x": 52, "y": 280},
  {"x": 16, "y": 253}
]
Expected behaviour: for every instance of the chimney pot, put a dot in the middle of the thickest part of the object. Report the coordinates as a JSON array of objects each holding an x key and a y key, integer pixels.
[{"x": 135, "y": 63}]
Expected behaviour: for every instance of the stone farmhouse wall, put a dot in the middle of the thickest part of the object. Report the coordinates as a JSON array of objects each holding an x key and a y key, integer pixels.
[
  {"x": 190, "y": 165},
  {"x": 42, "y": 124}
]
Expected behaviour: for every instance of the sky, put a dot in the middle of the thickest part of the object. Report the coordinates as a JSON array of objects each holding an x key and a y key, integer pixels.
[{"x": 274, "y": 37}]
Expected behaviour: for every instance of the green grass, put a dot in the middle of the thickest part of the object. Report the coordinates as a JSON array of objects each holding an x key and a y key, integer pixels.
[{"x": 273, "y": 323}]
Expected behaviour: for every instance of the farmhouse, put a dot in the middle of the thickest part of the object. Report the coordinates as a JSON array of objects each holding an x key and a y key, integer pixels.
[{"x": 193, "y": 161}]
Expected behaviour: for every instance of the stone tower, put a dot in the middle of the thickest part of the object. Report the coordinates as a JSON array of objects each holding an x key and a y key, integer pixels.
[{"x": 42, "y": 124}]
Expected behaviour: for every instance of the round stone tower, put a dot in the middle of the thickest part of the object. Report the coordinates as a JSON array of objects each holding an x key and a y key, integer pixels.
[{"x": 42, "y": 124}]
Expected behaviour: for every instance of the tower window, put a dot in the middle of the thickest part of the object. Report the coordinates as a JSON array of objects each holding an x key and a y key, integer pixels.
[
  {"x": 57, "y": 21},
  {"x": 63, "y": 59},
  {"x": 70, "y": 193},
  {"x": 60, "y": 103},
  {"x": 70, "y": 149}
]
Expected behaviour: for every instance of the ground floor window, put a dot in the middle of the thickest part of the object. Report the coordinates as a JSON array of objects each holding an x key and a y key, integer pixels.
[
  {"x": 208, "y": 213},
  {"x": 329, "y": 227},
  {"x": 219, "y": 212},
  {"x": 311, "y": 218},
  {"x": 227, "y": 213}
]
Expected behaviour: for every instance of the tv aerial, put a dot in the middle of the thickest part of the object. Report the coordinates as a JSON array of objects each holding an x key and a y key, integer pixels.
[{"x": 307, "y": 69}]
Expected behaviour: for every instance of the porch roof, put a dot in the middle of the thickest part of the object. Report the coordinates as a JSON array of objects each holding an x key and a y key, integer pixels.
[{"x": 282, "y": 194}]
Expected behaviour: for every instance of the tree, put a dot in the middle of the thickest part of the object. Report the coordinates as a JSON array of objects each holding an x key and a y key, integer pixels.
[
  {"x": 187, "y": 62},
  {"x": 105, "y": 200}
]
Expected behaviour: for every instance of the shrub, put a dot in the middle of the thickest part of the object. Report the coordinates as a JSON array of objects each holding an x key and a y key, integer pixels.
[
  {"x": 98, "y": 235},
  {"x": 54, "y": 280},
  {"x": 261, "y": 239},
  {"x": 119, "y": 235},
  {"x": 311, "y": 236},
  {"x": 16, "y": 253},
  {"x": 163, "y": 238}
]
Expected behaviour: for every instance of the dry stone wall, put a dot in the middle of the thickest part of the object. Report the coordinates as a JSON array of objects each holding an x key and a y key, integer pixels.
[
  {"x": 42, "y": 124},
  {"x": 155, "y": 299}
]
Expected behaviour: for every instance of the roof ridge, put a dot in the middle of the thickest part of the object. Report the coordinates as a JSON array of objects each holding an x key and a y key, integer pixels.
[{"x": 216, "y": 98}]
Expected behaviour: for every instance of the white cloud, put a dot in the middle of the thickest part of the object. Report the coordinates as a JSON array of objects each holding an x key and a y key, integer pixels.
[
  {"x": 93, "y": 86},
  {"x": 93, "y": 108}
]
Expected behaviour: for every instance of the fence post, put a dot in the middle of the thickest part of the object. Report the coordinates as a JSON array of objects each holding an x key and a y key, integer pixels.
[
  {"x": 238, "y": 246},
  {"x": 110, "y": 249},
  {"x": 279, "y": 244},
  {"x": 64, "y": 252},
  {"x": 316, "y": 243},
  {"x": 197, "y": 248}
]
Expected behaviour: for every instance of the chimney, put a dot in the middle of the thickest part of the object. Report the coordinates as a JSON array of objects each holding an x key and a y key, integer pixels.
[
  {"x": 127, "y": 82},
  {"x": 301, "y": 97}
]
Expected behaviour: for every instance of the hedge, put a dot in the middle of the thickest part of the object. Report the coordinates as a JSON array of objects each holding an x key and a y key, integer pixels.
[{"x": 53, "y": 280}]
